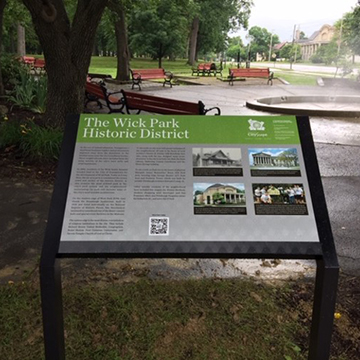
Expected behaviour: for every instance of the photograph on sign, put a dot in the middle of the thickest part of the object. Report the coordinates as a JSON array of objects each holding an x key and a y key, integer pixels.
[
  {"x": 274, "y": 162},
  {"x": 279, "y": 199},
  {"x": 219, "y": 199},
  {"x": 217, "y": 162}
]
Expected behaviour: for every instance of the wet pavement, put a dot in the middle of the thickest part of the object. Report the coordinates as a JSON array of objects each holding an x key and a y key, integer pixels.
[{"x": 24, "y": 206}]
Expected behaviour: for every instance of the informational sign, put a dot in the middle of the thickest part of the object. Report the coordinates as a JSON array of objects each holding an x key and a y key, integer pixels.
[{"x": 188, "y": 178}]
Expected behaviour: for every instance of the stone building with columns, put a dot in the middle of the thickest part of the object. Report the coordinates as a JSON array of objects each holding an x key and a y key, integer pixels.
[
  {"x": 318, "y": 38},
  {"x": 221, "y": 194},
  {"x": 284, "y": 159}
]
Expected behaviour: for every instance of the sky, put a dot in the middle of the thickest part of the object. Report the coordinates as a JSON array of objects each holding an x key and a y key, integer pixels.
[{"x": 280, "y": 16}]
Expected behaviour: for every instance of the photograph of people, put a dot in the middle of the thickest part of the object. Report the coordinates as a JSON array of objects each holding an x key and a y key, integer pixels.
[
  {"x": 292, "y": 194},
  {"x": 265, "y": 198}
]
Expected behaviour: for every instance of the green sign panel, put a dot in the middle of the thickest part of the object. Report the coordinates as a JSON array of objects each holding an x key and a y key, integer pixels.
[{"x": 188, "y": 129}]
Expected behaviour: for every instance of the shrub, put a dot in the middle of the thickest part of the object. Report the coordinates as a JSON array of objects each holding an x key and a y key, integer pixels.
[
  {"x": 30, "y": 92},
  {"x": 41, "y": 143},
  {"x": 10, "y": 133},
  {"x": 32, "y": 140},
  {"x": 11, "y": 68}
]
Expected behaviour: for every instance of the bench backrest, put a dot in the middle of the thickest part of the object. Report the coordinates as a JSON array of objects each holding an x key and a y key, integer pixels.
[
  {"x": 39, "y": 63},
  {"x": 148, "y": 73},
  {"x": 160, "y": 105},
  {"x": 28, "y": 59},
  {"x": 204, "y": 66},
  {"x": 96, "y": 90},
  {"x": 253, "y": 72}
]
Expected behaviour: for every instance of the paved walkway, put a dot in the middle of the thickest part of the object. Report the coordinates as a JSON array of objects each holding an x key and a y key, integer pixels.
[{"x": 24, "y": 205}]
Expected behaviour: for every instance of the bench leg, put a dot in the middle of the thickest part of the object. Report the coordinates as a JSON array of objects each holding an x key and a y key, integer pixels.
[
  {"x": 167, "y": 81},
  {"x": 136, "y": 82},
  {"x": 89, "y": 98}
]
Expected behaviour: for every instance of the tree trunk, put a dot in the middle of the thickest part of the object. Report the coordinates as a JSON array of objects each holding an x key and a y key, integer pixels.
[
  {"x": 67, "y": 51},
  {"x": 122, "y": 48},
  {"x": 160, "y": 56},
  {"x": 193, "y": 41},
  {"x": 21, "y": 48},
  {"x": 12, "y": 41},
  {"x": 2, "y": 7}
]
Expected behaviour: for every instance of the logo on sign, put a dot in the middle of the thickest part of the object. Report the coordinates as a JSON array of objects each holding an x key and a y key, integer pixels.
[{"x": 256, "y": 125}]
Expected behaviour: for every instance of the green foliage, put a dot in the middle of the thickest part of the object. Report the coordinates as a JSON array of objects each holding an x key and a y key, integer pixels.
[
  {"x": 10, "y": 133},
  {"x": 260, "y": 41},
  {"x": 11, "y": 69},
  {"x": 351, "y": 31},
  {"x": 32, "y": 140},
  {"x": 30, "y": 92},
  {"x": 235, "y": 45},
  {"x": 166, "y": 24},
  {"x": 326, "y": 54},
  {"x": 215, "y": 25},
  {"x": 41, "y": 143},
  {"x": 15, "y": 12},
  {"x": 288, "y": 51},
  {"x": 158, "y": 28}
]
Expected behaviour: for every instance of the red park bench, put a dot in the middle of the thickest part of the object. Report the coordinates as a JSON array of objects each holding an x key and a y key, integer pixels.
[
  {"x": 98, "y": 91},
  {"x": 207, "y": 69},
  {"x": 251, "y": 72},
  {"x": 202, "y": 69},
  {"x": 148, "y": 74},
  {"x": 140, "y": 102},
  {"x": 28, "y": 60},
  {"x": 39, "y": 66},
  {"x": 154, "y": 104}
]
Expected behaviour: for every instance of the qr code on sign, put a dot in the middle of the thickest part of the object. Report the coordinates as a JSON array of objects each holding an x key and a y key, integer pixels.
[{"x": 159, "y": 226}]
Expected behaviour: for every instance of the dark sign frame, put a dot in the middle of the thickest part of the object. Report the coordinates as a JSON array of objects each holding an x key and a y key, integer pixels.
[{"x": 323, "y": 251}]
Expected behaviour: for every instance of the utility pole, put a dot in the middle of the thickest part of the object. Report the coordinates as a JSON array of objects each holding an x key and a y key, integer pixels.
[
  {"x": 270, "y": 47},
  {"x": 293, "y": 41},
  {"x": 340, "y": 36}
]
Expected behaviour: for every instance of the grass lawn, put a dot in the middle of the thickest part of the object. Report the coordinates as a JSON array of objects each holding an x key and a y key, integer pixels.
[
  {"x": 107, "y": 65},
  {"x": 296, "y": 78},
  {"x": 193, "y": 319}
]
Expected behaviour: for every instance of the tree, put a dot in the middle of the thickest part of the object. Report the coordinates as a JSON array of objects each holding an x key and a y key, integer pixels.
[
  {"x": 2, "y": 7},
  {"x": 288, "y": 51},
  {"x": 261, "y": 39},
  {"x": 302, "y": 36},
  {"x": 21, "y": 47},
  {"x": 193, "y": 40},
  {"x": 158, "y": 28},
  {"x": 19, "y": 33},
  {"x": 351, "y": 30},
  {"x": 326, "y": 54},
  {"x": 67, "y": 50},
  {"x": 235, "y": 45},
  {"x": 122, "y": 46},
  {"x": 213, "y": 26},
  {"x": 218, "y": 198}
]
